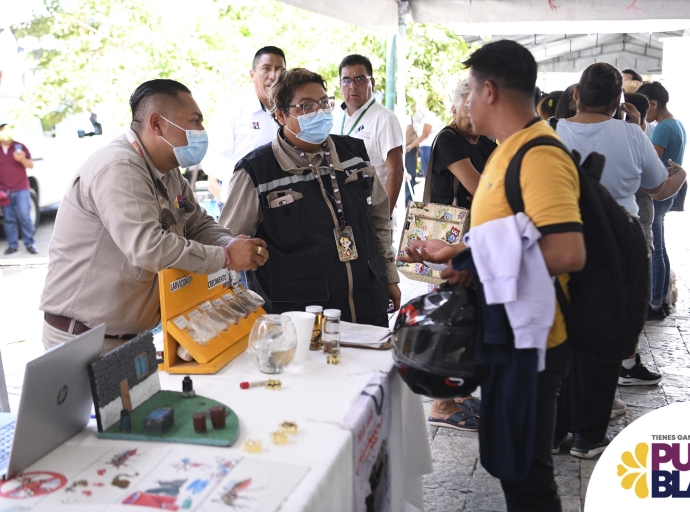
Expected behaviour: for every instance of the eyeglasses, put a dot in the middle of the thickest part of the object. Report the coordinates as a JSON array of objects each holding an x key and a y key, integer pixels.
[
  {"x": 358, "y": 80},
  {"x": 312, "y": 107}
]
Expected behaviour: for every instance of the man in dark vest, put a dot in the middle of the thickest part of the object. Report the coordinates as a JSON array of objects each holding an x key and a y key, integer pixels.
[{"x": 316, "y": 201}]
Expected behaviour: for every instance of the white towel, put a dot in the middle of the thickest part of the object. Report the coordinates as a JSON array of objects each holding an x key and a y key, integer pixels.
[{"x": 513, "y": 272}]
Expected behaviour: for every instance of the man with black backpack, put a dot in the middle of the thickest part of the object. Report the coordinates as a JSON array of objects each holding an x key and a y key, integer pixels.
[{"x": 501, "y": 106}]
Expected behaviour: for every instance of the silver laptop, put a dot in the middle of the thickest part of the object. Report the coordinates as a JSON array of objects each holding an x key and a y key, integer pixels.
[{"x": 55, "y": 405}]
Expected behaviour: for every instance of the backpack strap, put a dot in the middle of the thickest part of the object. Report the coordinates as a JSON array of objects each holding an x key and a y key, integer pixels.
[
  {"x": 514, "y": 194},
  {"x": 430, "y": 168},
  {"x": 512, "y": 177}
]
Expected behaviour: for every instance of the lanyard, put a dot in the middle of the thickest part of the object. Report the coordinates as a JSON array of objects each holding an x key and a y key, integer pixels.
[
  {"x": 340, "y": 213},
  {"x": 342, "y": 126}
]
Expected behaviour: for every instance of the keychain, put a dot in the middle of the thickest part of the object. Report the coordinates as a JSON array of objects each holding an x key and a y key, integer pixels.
[
  {"x": 345, "y": 242},
  {"x": 344, "y": 238}
]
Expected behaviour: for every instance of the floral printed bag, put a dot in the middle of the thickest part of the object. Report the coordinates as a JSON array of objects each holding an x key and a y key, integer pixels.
[{"x": 431, "y": 221}]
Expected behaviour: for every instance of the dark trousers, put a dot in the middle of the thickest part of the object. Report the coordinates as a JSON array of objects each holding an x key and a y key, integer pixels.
[
  {"x": 538, "y": 491},
  {"x": 411, "y": 168},
  {"x": 425, "y": 153},
  {"x": 584, "y": 406}
]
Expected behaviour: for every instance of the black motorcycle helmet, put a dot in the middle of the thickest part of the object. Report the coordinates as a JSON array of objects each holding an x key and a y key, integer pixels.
[{"x": 434, "y": 343}]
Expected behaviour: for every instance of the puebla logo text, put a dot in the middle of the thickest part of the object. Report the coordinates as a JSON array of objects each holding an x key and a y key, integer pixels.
[{"x": 670, "y": 468}]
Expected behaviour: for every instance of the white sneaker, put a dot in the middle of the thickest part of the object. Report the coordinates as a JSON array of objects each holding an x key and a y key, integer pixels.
[{"x": 618, "y": 408}]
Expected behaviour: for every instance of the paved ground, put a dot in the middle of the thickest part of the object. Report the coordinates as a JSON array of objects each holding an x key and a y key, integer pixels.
[
  {"x": 460, "y": 483},
  {"x": 42, "y": 236}
]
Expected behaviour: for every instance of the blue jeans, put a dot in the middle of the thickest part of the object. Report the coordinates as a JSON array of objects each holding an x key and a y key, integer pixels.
[
  {"x": 661, "y": 268},
  {"x": 18, "y": 213},
  {"x": 425, "y": 152}
]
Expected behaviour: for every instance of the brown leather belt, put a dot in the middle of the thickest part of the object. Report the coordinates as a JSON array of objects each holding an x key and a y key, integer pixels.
[{"x": 63, "y": 323}]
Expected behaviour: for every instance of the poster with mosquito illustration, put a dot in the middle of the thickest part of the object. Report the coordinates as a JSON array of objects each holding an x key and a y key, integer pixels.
[
  {"x": 181, "y": 480},
  {"x": 108, "y": 478},
  {"x": 143, "y": 476},
  {"x": 255, "y": 485}
]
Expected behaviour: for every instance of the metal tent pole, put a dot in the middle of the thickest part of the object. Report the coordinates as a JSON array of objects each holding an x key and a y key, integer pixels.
[{"x": 390, "y": 73}]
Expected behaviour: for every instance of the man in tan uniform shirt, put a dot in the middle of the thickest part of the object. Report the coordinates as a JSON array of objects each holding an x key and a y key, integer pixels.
[{"x": 128, "y": 214}]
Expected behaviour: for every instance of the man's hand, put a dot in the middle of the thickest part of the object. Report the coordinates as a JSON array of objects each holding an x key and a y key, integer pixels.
[
  {"x": 632, "y": 114},
  {"x": 394, "y": 294},
  {"x": 457, "y": 277},
  {"x": 434, "y": 251},
  {"x": 408, "y": 148},
  {"x": 246, "y": 253},
  {"x": 673, "y": 167},
  {"x": 20, "y": 156}
]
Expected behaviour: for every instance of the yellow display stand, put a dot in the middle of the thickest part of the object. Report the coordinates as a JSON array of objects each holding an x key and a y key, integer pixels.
[{"x": 182, "y": 292}]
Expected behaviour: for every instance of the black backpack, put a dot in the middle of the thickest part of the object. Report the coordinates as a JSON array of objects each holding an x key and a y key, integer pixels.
[{"x": 609, "y": 297}]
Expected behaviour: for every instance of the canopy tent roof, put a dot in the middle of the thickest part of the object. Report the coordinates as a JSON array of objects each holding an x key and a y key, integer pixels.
[
  {"x": 642, "y": 52},
  {"x": 564, "y": 35},
  {"x": 505, "y": 16},
  {"x": 474, "y": 12}
]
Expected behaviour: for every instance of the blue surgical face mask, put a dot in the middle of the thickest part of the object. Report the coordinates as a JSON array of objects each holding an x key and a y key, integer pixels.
[
  {"x": 314, "y": 128},
  {"x": 193, "y": 153}
]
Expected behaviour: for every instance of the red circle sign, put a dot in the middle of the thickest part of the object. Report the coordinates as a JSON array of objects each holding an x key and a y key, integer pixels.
[{"x": 32, "y": 484}]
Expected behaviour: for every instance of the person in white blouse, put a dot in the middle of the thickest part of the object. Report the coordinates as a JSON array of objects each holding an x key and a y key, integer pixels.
[
  {"x": 428, "y": 125},
  {"x": 245, "y": 124}
]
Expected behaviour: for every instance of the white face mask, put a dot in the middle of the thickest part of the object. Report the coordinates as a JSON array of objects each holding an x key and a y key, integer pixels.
[{"x": 195, "y": 150}]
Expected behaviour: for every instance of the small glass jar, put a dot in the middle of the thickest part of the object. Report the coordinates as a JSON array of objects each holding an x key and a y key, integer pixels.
[
  {"x": 331, "y": 332},
  {"x": 316, "y": 332},
  {"x": 272, "y": 343}
]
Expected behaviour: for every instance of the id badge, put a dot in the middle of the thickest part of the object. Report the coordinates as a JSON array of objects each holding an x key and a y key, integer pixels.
[{"x": 345, "y": 242}]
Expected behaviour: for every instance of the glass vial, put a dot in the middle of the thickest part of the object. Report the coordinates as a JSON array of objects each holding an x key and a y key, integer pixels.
[
  {"x": 331, "y": 331},
  {"x": 316, "y": 332}
]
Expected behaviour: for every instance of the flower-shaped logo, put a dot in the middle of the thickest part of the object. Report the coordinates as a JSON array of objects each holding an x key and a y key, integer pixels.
[{"x": 634, "y": 470}]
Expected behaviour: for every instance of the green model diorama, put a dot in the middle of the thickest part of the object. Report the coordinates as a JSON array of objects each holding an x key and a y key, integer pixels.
[{"x": 130, "y": 404}]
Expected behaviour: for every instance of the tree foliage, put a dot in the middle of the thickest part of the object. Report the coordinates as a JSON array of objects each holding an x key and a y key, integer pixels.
[
  {"x": 435, "y": 55},
  {"x": 94, "y": 53}
]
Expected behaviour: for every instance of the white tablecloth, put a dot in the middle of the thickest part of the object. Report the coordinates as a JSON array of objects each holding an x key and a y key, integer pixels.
[{"x": 317, "y": 396}]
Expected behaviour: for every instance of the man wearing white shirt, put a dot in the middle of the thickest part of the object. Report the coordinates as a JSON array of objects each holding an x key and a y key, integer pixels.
[
  {"x": 362, "y": 117},
  {"x": 249, "y": 122}
]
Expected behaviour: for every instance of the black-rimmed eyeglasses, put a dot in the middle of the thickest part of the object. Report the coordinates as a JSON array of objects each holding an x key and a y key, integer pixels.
[
  {"x": 358, "y": 80},
  {"x": 312, "y": 107}
]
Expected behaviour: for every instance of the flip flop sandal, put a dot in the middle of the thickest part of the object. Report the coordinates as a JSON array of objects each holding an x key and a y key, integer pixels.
[
  {"x": 471, "y": 404},
  {"x": 470, "y": 418}
]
